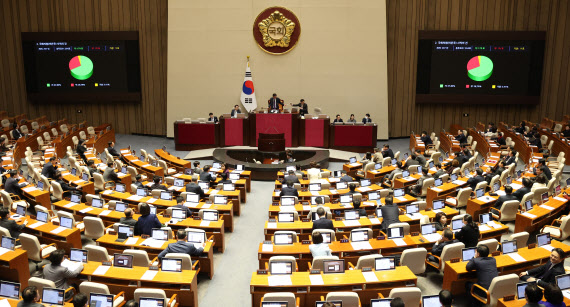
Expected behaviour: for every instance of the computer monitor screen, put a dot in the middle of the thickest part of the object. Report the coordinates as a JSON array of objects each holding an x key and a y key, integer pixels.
[
  {"x": 240, "y": 167},
  {"x": 378, "y": 212},
  {"x": 405, "y": 174},
  {"x": 341, "y": 185},
  {"x": 509, "y": 180},
  {"x": 127, "y": 230},
  {"x": 431, "y": 301},
  {"x": 152, "y": 209},
  {"x": 406, "y": 155},
  {"x": 98, "y": 203},
  {"x": 204, "y": 185},
  {"x": 453, "y": 177},
  {"x": 9, "y": 289},
  {"x": 544, "y": 197},
  {"x": 399, "y": 192},
  {"x": 280, "y": 268},
  {"x": 52, "y": 296},
  {"x": 456, "y": 224},
  {"x": 380, "y": 302},
  {"x": 542, "y": 239},
  {"x": 196, "y": 237},
  {"x": 274, "y": 304},
  {"x": 395, "y": 232},
  {"x": 119, "y": 187},
  {"x": 479, "y": 192},
  {"x": 377, "y": 166},
  {"x": 326, "y": 237},
  {"x": 438, "y": 182},
  {"x": 476, "y": 165},
  {"x": 468, "y": 253},
  {"x": 85, "y": 177},
  {"x": 286, "y": 217},
  {"x": 8, "y": 243},
  {"x": 365, "y": 182},
  {"x": 124, "y": 170},
  {"x": 466, "y": 172},
  {"x": 100, "y": 300},
  {"x": 428, "y": 229},
  {"x": 216, "y": 165},
  {"x": 557, "y": 190},
  {"x": 151, "y": 302},
  {"x": 160, "y": 234},
  {"x": 287, "y": 200},
  {"x": 314, "y": 186},
  {"x": 384, "y": 263},
  {"x": 394, "y": 161},
  {"x": 509, "y": 247},
  {"x": 171, "y": 265},
  {"x": 229, "y": 187},
  {"x": 41, "y": 184},
  {"x": 438, "y": 204},
  {"x": 359, "y": 235},
  {"x": 430, "y": 165},
  {"x": 521, "y": 287},
  {"x": 65, "y": 222},
  {"x": 41, "y": 216},
  {"x": 141, "y": 192},
  {"x": 123, "y": 261},
  {"x": 528, "y": 205},
  {"x": 78, "y": 255},
  {"x": 220, "y": 200},
  {"x": 178, "y": 214},
  {"x": 333, "y": 266},
  {"x": 74, "y": 171},
  {"x": 75, "y": 198},
  {"x": 351, "y": 215},
  {"x": 234, "y": 176},
  {"x": 283, "y": 239},
  {"x": 192, "y": 198},
  {"x": 373, "y": 196},
  {"x": 121, "y": 206},
  {"x": 485, "y": 218},
  {"x": 165, "y": 195},
  {"x": 187, "y": 171},
  {"x": 346, "y": 198},
  {"x": 335, "y": 303},
  {"x": 21, "y": 210},
  {"x": 410, "y": 209},
  {"x": 210, "y": 215},
  {"x": 352, "y": 160},
  {"x": 290, "y": 168},
  {"x": 178, "y": 182},
  {"x": 563, "y": 281}
]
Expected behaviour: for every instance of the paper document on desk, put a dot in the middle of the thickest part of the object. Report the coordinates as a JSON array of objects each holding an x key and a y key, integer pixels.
[
  {"x": 548, "y": 247},
  {"x": 101, "y": 270},
  {"x": 105, "y": 212},
  {"x": 351, "y": 223},
  {"x": 437, "y": 189},
  {"x": 515, "y": 186},
  {"x": 315, "y": 193},
  {"x": 149, "y": 275},
  {"x": 316, "y": 280},
  {"x": 560, "y": 198},
  {"x": 432, "y": 237},
  {"x": 71, "y": 265},
  {"x": 204, "y": 223},
  {"x": 334, "y": 179},
  {"x": 214, "y": 192},
  {"x": 152, "y": 243},
  {"x": 69, "y": 205},
  {"x": 206, "y": 206},
  {"x": 135, "y": 197},
  {"x": 277, "y": 194},
  {"x": 546, "y": 207},
  {"x": 85, "y": 210},
  {"x": 370, "y": 276},
  {"x": 131, "y": 241},
  {"x": 369, "y": 203},
  {"x": 459, "y": 182},
  {"x": 151, "y": 200},
  {"x": 267, "y": 247},
  {"x": 36, "y": 225},
  {"x": 271, "y": 225},
  {"x": 306, "y": 208},
  {"x": 124, "y": 151},
  {"x": 500, "y": 192},
  {"x": 364, "y": 189},
  {"x": 107, "y": 192},
  {"x": 516, "y": 257},
  {"x": 79, "y": 181},
  {"x": 375, "y": 220},
  {"x": 58, "y": 230},
  {"x": 566, "y": 293},
  {"x": 401, "y": 198},
  {"x": 355, "y": 164},
  {"x": 494, "y": 224},
  {"x": 279, "y": 280},
  {"x": 5, "y": 303},
  {"x": 3, "y": 250},
  {"x": 29, "y": 189},
  {"x": 399, "y": 242},
  {"x": 414, "y": 216},
  {"x": 532, "y": 216},
  {"x": 333, "y": 191},
  {"x": 361, "y": 245},
  {"x": 190, "y": 205},
  {"x": 484, "y": 228},
  {"x": 485, "y": 199}
]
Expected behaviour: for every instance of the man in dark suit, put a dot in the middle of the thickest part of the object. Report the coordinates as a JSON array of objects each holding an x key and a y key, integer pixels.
[
  {"x": 345, "y": 177},
  {"x": 138, "y": 183},
  {"x": 290, "y": 177},
  {"x": 426, "y": 139},
  {"x": 501, "y": 140},
  {"x": 421, "y": 158},
  {"x": 49, "y": 169},
  {"x": 511, "y": 158},
  {"x": 235, "y": 111},
  {"x": 390, "y": 213},
  {"x": 545, "y": 170},
  {"x": 546, "y": 273},
  {"x": 12, "y": 186},
  {"x": 484, "y": 266},
  {"x": 193, "y": 187},
  {"x": 367, "y": 119},
  {"x": 289, "y": 190},
  {"x": 128, "y": 218},
  {"x": 527, "y": 185},
  {"x": 180, "y": 205},
  {"x": 206, "y": 176},
  {"x": 461, "y": 137},
  {"x": 156, "y": 184},
  {"x": 109, "y": 173},
  {"x": 212, "y": 118},
  {"x": 304, "y": 108},
  {"x": 11, "y": 225},
  {"x": 446, "y": 239},
  {"x": 112, "y": 151},
  {"x": 337, "y": 119},
  {"x": 322, "y": 222},
  {"x": 473, "y": 181},
  {"x": 387, "y": 152},
  {"x": 412, "y": 160},
  {"x": 181, "y": 246},
  {"x": 16, "y": 134},
  {"x": 65, "y": 187},
  {"x": 438, "y": 171},
  {"x": 274, "y": 102},
  {"x": 504, "y": 198},
  {"x": 497, "y": 172}
]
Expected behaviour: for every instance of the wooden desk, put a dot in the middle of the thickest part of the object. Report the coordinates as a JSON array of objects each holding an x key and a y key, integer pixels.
[
  {"x": 36, "y": 196},
  {"x": 206, "y": 260},
  {"x": 87, "y": 187},
  {"x": 14, "y": 267},
  {"x": 183, "y": 284},
  {"x": 306, "y": 195},
  {"x": 521, "y": 145},
  {"x": 377, "y": 175},
  {"x": 484, "y": 146},
  {"x": 351, "y": 280},
  {"x": 142, "y": 167},
  {"x": 542, "y": 216},
  {"x": 352, "y": 168},
  {"x": 172, "y": 161},
  {"x": 416, "y": 144},
  {"x": 67, "y": 239},
  {"x": 448, "y": 142},
  {"x": 14, "y": 303},
  {"x": 455, "y": 274},
  {"x": 559, "y": 145},
  {"x": 520, "y": 303},
  {"x": 191, "y": 136},
  {"x": 443, "y": 190},
  {"x": 61, "y": 143}
]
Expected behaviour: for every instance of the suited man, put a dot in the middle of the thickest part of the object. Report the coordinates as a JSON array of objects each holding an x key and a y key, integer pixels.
[
  {"x": 367, "y": 119},
  {"x": 425, "y": 138},
  {"x": 439, "y": 171},
  {"x": 473, "y": 181},
  {"x": 545, "y": 170},
  {"x": 112, "y": 151},
  {"x": 387, "y": 152},
  {"x": 527, "y": 185},
  {"x": 212, "y": 118},
  {"x": 180, "y": 205},
  {"x": 12, "y": 186},
  {"x": 181, "y": 246},
  {"x": 193, "y": 187},
  {"x": 498, "y": 171},
  {"x": 128, "y": 218},
  {"x": 109, "y": 173},
  {"x": 501, "y": 140},
  {"x": 337, "y": 119},
  {"x": 138, "y": 183},
  {"x": 511, "y": 158},
  {"x": 546, "y": 273},
  {"x": 235, "y": 111},
  {"x": 446, "y": 239},
  {"x": 417, "y": 188},
  {"x": 322, "y": 222},
  {"x": 421, "y": 158},
  {"x": 412, "y": 160},
  {"x": 49, "y": 169},
  {"x": 304, "y": 108},
  {"x": 345, "y": 177},
  {"x": 64, "y": 186},
  {"x": 390, "y": 213},
  {"x": 504, "y": 198},
  {"x": 274, "y": 102},
  {"x": 289, "y": 190},
  {"x": 156, "y": 184},
  {"x": 290, "y": 177},
  {"x": 206, "y": 176},
  {"x": 11, "y": 225},
  {"x": 16, "y": 134},
  {"x": 484, "y": 266},
  {"x": 59, "y": 274},
  {"x": 461, "y": 137}
]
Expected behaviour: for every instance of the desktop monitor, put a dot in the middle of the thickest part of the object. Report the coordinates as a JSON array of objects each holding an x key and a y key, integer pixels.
[
  {"x": 337, "y": 174},
  {"x": 399, "y": 192},
  {"x": 85, "y": 177},
  {"x": 468, "y": 253},
  {"x": 121, "y": 206},
  {"x": 154, "y": 163},
  {"x": 568, "y": 182},
  {"x": 466, "y": 172},
  {"x": 496, "y": 187},
  {"x": 123, "y": 261},
  {"x": 563, "y": 281},
  {"x": 124, "y": 170},
  {"x": 40, "y": 184},
  {"x": 509, "y": 247},
  {"x": 453, "y": 177},
  {"x": 195, "y": 236},
  {"x": 476, "y": 165},
  {"x": 395, "y": 233},
  {"x": 394, "y": 161},
  {"x": 509, "y": 180},
  {"x": 405, "y": 174},
  {"x": 287, "y": 200},
  {"x": 457, "y": 224},
  {"x": 314, "y": 187},
  {"x": 377, "y": 166},
  {"x": 240, "y": 167},
  {"x": 220, "y": 199},
  {"x": 100, "y": 300},
  {"x": 373, "y": 196},
  {"x": 384, "y": 263},
  {"x": 333, "y": 266},
  {"x": 479, "y": 192},
  {"x": 234, "y": 176},
  {"x": 431, "y": 165},
  {"x": 335, "y": 303},
  {"x": 485, "y": 218},
  {"x": 380, "y": 302},
  {"x": 41, "y": 216},
  {"x": 151, "y": 302},
  {"x": 406, "y": 155},
  {"x": 10, "y": 289},
  {"x": 126, "y": 231},
  {"x": 274, "y": 304},
  {"x": 210, "y": 215},
  {"x": 346, "y": 198},
  {"x": 192, "y": 198},
  {"x": 8, "y": 243},
  {"x": 352, "y": 160},
  {"x": 290, "y": 168},
  {"x": 179, "y": 214},
  {"x": 171, "y": 265},
  {"x": 438, "y": 204},
  {"x": 431, "y": 301},
  {"x": 74, "y": 171},
  {"x": 428, "y": 229},
  {"x": 53, "y": 296},
  {"x": 165, "y": 195},
  {"x": 365, "y": 182},
  {"x": 521, "y": 287},
  {"x": 557, "y": 190},
  {"x": 544, "y": 197},
  {"x": 280, "y": 268},
  {"x": 411, "y": 209},
  {"x": 419, "y": 170},
  {"x": 160, "y": 234},
  {"x": 440, "y": 160},
  {"x": 21, "y": 210},
  {"x": 286, "y": 217},
  {"x": 152, "y": 209},
  {"x": 378, "y": 212},
  {"x": 351, "y": 215},
  {"x": 75, "y": 198},
  {"x": 216, "y": 165},
  {"x": 359, "y": 235},
  {"x": 178, "y": 182},
  {"x": 283, "y": 239},
  {"x": 119, "y": 187},
  {"x": 229, "y": 187},
  {"x": 542, "y": 239},
  {"x": 188, "y": 171},
  {"x": 326, "y": 237},
  {"x": 438, "y": 182},
  {"x": 528, "y": 205},
  {"x": 141, "y": 192},
  {"x": 65, "y": 222},
  {"x": 341, "y": 185},
  {"x": 204, "y": 185},
  {"x": 98, "y": 203},
  {"x": 78, "y": 255}
]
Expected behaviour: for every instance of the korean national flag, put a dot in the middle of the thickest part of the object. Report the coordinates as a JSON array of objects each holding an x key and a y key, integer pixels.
[{"x": 247, "y": 92}]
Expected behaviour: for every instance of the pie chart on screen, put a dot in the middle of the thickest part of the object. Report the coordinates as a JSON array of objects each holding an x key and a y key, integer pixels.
[
  {"x": 479, "y": 68},
  {"x": 81, "y": 67}
]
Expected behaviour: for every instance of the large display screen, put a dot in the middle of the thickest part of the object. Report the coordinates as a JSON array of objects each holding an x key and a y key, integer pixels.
[
  {"x": 76, "y": 66},
  {"x": 479, "y": 67}
]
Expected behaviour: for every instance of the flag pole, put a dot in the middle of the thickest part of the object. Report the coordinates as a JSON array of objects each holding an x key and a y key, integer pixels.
[{"x": 248, "y": 61}]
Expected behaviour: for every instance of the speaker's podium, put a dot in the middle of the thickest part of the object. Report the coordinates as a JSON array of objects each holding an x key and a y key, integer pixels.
[{"x": 271, "y": 142}]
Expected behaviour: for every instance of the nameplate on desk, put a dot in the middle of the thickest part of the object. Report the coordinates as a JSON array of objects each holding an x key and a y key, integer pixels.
[
  {"x": 338, "y": 218},
  {"x": 496, "y": 253},
  {"x": 56, "y": 223},
  {"x": 153, "y": 268},
  {"x": 112, "y": 232},
  {"x": 275, "y": 204},
  {"x": 315, "y": 272},
  {"x": 306, "y": 242},
  {"x": 381, "y": 238},
  {"x": 261, "y": 272},
  {"x": 531, "y": 246},
  {"x": 367, "y": 269},
  {"x": 305, "y": 220},
  {"x": 106, "y": 263},
  {"x": 166, "y": 215},
  {"x": 271, "y": 220},
  {"x": 145, "y": 236},
  {"x": 197, "y": 218},
  {"x": 509, "y": 298},
  {"x": 414, "y": 233},
  {"x": 454, "y": 260},
  {"x": 267, "y": 242},
  {"x": 344, "y": 241},
  {"x": 427, "y": 209}
]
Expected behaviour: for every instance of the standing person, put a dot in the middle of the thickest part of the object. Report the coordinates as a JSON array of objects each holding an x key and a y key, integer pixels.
[
  {"x": 485, "y": 267},
  {"x": 235, "y": 111},
  {"x": 274, "y": 102},
  {"x": 469, "y": 233},
  {"x": 146, "y": 221},
  {"x": 367, "y": 119},
  {"x": 212, "y": 118},
  {"x": 304, "y": 108},
  {"x": 390, "y": 213}
]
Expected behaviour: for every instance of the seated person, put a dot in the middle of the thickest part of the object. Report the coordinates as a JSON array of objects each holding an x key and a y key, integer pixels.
[
  {"x": 81, "y": 149},
  {"x": 318, "y": 248},
  {"x": 426, "y": 139},
  {"x": 387, "y": 152},
  {"x": 511, "y": 158},
  {"x": 361, "y": 211},
  {"x": 212, "y": 118},
  {"x": 533, "y": 295},
  {"x": 461, "y": 137},
  {"x": 398, "y": 170},
  {"x": 289, "y": 190},
  {"x": 322, "y": 222},
  {"x": 197, "y": 170},
  {"x": 58, "y": 273},
  {"x": 92, "y": 168},
  {"x": 421, "y": 158},
  {"x": 546, "y": 273},
  {"x": 194, "y": 187},
  {"x": 504, "y": 198},
  {"x": 224, "y": 178},
  {"x": 545, "y": 170},
  {"x": 437, "y": 249},
  {"x": 445, "y": 298},
  {"x": 527, "y": 185},
  {"x": 473, "y": 181},
  {"x": 491, "y": 128},
  {"x": 566, "y": 131},
  {"x": 128, "y": 218},
  {"x": 314, "y": 173},
  {"x": 438, "y": 171},
  {"x": 109, "y": 173},
  {"x": 180, "y": 205},
  {"x": 111, "y": 149},
  {"x": 131, "y": 303},
  {"x": 345, "y": 177},
  {"x": 417, "y": 188},
  {"x": 553, "y": 296},
  {"x": 274, "y": 102},
  {"x": 12, "y": 184},
  {"x": 452, "y": 167},
  {"x": 138, "y": 181},
  {"x": 539, "y": 182},
  {"x": 289, "y": 158},
  {"x": 440, "y": 221},
  {"x": 67, "y": 189},
  {"x": 396, "y": 302},
  {"x": 412, "y": 160},
  {"x": 352, "y": 189},
  {"x": 367, "y": 119},
  {"x": 80, "y": 300},
  {"x": 146, "y": 221},
  {"x": 469, "y": 233},
  {"x": 14, "y": 228},
  {"x": 486, "y": 269},
  {"x": 157, "y": 185},
  {"x": 235, "y": 111},
  {"x": 49, "y": 169},
  {"x": 290, "y": 177},
  {"x": 181, "y": 246},
  {"x": 351, "y": 119},
  {"x": 390, "y": 213},
  {"x": 30, "y": 297},
  {"x": 338, "y": 119},
  {"x": 501, "y": 141},
  {"x": 206, "y": 176},
  {"x": 498, "y": 170}
]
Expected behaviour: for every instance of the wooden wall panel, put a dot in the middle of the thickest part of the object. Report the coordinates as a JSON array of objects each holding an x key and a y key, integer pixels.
[
  {"x": 149, "y": 17},
  {"x": 406, "y": 17}
]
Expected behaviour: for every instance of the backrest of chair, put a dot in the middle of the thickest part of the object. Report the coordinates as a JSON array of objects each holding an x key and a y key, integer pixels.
[
  {"x": 97, "y": 253},
  {"x": 6, "y": 199},
  {"x": 288, "y": 297},
  {"x": 57, "y": 190},
  {"x": 527, "y": 196},
  {"x": 91, "y": 130},
  {"x": 88, "y": 287},
  {"x": 414, "y": 259},
  {"x": 41, "y": 283},
  {"x": 565, "y": 227},
  {"x": 186, "y": 260},
  {"x": 148, "y": 292},
  {"x": 428, "y": 183},
  {"x": 94, "y": 227},
  {"x": 4, "y": 232},
  {"x": 402, "y": 224},
  {"x": 450, "y": 251},
  {"x": 133, "y": 172},
  {"x": 369, "y": 166},
  {"x": 550, "y": 186},
  {"x": 509, "y": 210},
  {"x": 422, "y": 204},
  {"x": 495, "y": 179},
  {"x": 140, "y": 257},
  {"x": 538, "y": 195},
  {"x": 61, "y": 213},
  {"x": 481, "y": 185},
  {"x": 367, "y": 261},
  {"x": 413, "y": 169},
  {"x": 502, "y": 286},
  {"x": 329, "y": 231},
  {"x": 521, "y": 238},
  {"x": 31, "y": 244},
  {"x": 98, "y": 181},
  {"x": 492, "y": 244},
  {"x": 410, "y": 295},
  {"x": 349, "y": 299},
  {"x": 318, "y": 263}
]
